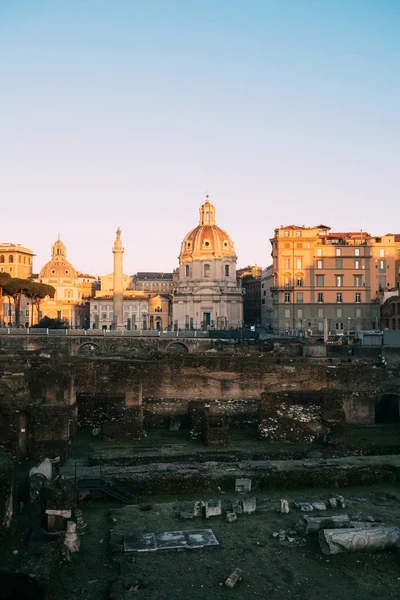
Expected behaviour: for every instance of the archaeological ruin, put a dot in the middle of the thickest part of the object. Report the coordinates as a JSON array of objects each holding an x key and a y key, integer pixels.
[{"x": 119, "y": 454}]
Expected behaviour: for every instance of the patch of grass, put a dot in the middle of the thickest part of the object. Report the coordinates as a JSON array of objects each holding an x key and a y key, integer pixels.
[{"x": 270, "y": 570}]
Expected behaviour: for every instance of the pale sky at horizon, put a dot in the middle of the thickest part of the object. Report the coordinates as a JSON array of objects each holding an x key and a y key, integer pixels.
[{"x": 126, "y": 113}]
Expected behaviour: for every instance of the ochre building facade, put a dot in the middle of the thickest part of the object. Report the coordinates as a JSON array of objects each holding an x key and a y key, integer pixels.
[{"x": 323, "y": 279}]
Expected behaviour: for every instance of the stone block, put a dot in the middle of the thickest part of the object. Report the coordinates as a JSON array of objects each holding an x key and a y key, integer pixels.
[
  {"x": 213, "y": 508},
  {"x": 44, "y": 468},
  {"x": 249, "y": 505},
  {"x": 243, "y": 485},
  {"x": 231, "y": 517}
]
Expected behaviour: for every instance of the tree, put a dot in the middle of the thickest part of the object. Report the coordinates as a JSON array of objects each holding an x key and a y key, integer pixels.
[
  {"x": 37, "y": 292},
  {"x": 4, "y": 277},
  {"x": 15, "y": 288},
  {"x": 48, "y": 323}
]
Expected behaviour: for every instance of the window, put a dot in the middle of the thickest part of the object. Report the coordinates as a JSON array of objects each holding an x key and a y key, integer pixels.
[
  {"x": 381, "y": 252},
  {"x": 286, "y": 245},
  {"x": 19, "y": 260},
  {"x": 286, "y": 233},
  {"x": 339, "y": 280},
  {"x": 287, "y": 298},
  {"x": 299, "y": 282},
  {"x": 381, "y": 265},
  {"x": 207, "y": 270},
  {"x": 299, "y": 297},
  {"x": 339, "y": 313},
  {"x": 299, "y": 263},
  {"x": 320, "y": 327},
  {"x": 287, "y": 282},
  {"x": 299, "y": 313},
  {"x": 320, "y": 264},
  {"x": 226, "y": 270},
  {"x": 287, "y": 313},
  {"x": 339, "y": 326},
  {"x": 339, "y": 263},
  {"x": 298, "y": 234},
  {"x": 338, "y": 252},
  {"x": 357, "y": 280},
  {"x": 11, "y": 259},
  {"x": 320, "y": 280},
  {"x": 286, "y": 263},
  {"x": 2, "y": 258},
  {"x": 358, "y": 298},
  {"x": 319, "y": 251},
  {"x": 357, "y": 264},
  {"x": 187, "y": 270},
  {"x": 339, "y": 299},
  {"x": 320, "y": 297},
  {"x": 320, "y": 313},
  {"x": 299, "y": 245},
  {"x": 358, "y": 313},
  {"x": 356, "y": 251}
]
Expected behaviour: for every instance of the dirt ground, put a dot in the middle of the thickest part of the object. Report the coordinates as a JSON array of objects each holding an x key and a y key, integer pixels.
[{"x": 298, "y": 571}]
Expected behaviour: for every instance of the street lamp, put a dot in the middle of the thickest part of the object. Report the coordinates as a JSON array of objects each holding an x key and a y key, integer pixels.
[{"x": 348, "y": 329}]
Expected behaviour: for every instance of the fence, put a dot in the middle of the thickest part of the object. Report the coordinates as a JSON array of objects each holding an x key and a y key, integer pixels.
[{"x": 33, "y": 331}]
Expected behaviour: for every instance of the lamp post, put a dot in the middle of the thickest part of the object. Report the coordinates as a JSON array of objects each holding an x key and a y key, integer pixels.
[{"x": 348, "y": 329}]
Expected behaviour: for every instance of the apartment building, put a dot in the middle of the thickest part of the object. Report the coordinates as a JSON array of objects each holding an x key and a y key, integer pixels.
[
  {"x": 16, "y": 260},
  {"x": 320, "y": 276}
]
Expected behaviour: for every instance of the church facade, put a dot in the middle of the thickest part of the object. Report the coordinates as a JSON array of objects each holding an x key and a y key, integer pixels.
[
  {"x": 207, "y": 295},
  {"x": 67, "y": 304}
]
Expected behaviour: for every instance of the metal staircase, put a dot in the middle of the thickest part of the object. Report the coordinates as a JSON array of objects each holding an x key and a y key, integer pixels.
[{"x": 101, "y": 485}]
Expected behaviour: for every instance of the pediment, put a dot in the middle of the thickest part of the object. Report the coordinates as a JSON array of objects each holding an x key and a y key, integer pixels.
[{"x": 206, "y": 291}]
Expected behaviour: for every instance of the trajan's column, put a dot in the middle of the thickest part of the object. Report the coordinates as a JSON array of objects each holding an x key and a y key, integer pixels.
[{"x": 118, "y": 296}]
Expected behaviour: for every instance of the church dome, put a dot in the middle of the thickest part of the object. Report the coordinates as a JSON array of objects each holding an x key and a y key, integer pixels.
[
  {"x": 207, "y": 240},
  {"x": 58, "y": 266}
]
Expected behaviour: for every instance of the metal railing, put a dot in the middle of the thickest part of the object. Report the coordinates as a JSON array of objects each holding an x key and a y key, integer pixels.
[{"x": 35, "y": 331}]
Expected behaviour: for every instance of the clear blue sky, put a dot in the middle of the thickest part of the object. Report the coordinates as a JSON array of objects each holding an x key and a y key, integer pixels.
[{"x": 126, "y": 112}]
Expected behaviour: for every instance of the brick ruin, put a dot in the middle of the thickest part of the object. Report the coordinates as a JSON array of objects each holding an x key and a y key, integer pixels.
[{"x": 46, "y": 395}]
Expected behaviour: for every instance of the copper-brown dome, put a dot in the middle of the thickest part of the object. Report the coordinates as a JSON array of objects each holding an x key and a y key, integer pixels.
[
  {"x": 207, "y": 239},
  {"x": 58, "y": 266}
]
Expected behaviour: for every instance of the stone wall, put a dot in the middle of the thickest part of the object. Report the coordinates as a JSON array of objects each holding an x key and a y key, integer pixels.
[{"x": 40, "y": 392}]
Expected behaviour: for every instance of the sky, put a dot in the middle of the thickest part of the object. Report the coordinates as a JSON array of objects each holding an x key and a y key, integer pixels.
[{"x": 128, "y": 112}]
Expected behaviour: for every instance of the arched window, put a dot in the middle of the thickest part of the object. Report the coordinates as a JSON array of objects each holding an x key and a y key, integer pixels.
[
  {"x": 288, "y": 282},
  {"x": 207, "y": 270},
  {"x": 11, "y": 260},
  {"x": 187, "y": 270},
  {"x": 226, "y": 270},
  {"x": 2, "y": 258}
]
